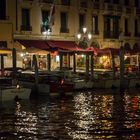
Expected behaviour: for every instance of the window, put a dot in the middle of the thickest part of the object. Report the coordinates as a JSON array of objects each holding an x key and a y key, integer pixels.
[
  {"x": 45, "y": 20},
  {"x": 136, "y": 3},
  {"x": 65, "y": 2},
  {"x": 115, "y": 1},
  {"x": 2, "y": 9},
  {"x": 47, "y": 1},
  {"x": 45, "y": 15},
  {"x": 107, "y": 25},
  {"x": 83, "y": 3},
  {"x": 126, "y": 2},
  {"x": 116, "y": 26},
  {"x": 136, "y": 28},
  {"x": 95, "y": 24},
  {"x": 81, "y": 22},
  {"x": 126, "y": 26},
  {"x": 107, "y": 1},
  {"x": 3, "y": 44},
  {"x": 25, "y": 20},
  {"x": 111, "y": 26},
  {"x": 64, "y": 23}
]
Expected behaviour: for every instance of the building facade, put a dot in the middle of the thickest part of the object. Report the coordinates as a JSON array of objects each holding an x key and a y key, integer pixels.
[{"x": 109, "y": 21}]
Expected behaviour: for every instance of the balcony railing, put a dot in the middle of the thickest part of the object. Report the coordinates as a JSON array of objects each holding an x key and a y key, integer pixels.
[
  {"x": 111, "y": 34},
  {"x": 25, "y": 28}
]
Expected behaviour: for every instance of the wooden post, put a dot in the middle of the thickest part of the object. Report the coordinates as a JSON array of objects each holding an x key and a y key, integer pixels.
[
  {"x": 61, "y": 61},
  {"x": 68, "y": 60},
  {"x": 2, "y": 65},
  {"x": 113, "y": 64},
  {"x": 122, "y": 67},
  {"x": 49, "y": 62},
  {"x": 92, "y": 66},
  {"x": 74, "y": 63},
  {"x": 14, "y": 65},
  {"x": 36, "y": 71},
  {"x": 139, "y": 64},
  {"x": 87, "y": 66}
]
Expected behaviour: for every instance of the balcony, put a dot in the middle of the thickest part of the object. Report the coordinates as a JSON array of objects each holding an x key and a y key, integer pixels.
[
  {"x": 25, "y": 28},
  {"x": 111, "y": 34}
]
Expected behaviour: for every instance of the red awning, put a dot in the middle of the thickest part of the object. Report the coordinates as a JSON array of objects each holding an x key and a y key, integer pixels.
[
  {"x": 106, "y": 51},
  {"x": 64, "y": 45},
  {"x": 40, "y": 44}
]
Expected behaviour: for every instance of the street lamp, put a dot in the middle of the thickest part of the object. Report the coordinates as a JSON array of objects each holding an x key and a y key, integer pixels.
[
  {"x": 84, "y": 42},
  {"x": 84, "y": 38}
]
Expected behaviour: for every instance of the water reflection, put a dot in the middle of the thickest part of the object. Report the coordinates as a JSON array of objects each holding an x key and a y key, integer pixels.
[
  {"x": 25, "y": 122},
  {"x": 85, "y": 115}
]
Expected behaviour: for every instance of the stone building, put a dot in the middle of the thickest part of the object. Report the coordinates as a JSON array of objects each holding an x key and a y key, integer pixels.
[{"x": 111, "y": 22}]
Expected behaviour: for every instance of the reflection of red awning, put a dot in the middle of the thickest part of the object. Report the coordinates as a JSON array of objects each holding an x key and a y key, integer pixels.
[{"x": 40, "y": 44}]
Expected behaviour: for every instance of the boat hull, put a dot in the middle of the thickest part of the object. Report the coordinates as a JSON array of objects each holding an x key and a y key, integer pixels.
[{"x": 15, "y": 93}]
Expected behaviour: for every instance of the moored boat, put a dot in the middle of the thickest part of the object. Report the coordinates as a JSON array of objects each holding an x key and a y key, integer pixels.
[{"x": 10, "y": 92}]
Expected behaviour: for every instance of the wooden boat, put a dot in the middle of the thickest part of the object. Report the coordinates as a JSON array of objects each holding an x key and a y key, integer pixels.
[
  {"x": 48, "y": 83},
  {"x": 10, "y": 92}
]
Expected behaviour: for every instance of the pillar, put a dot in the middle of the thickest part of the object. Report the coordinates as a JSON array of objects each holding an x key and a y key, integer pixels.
[
  {"x": 121, "y": 67},
  {"x": 49, "y": 61},
  {"x": 92, "y": 66},
  {"x": 2, "y": 64},
  {"x": 113, "y": 64},
  {"x": 61, "y": 61},
  {"x": 74, "y": 63},
  {"x": 14, "y": 56},
  {"x": 87, "y": 66}
]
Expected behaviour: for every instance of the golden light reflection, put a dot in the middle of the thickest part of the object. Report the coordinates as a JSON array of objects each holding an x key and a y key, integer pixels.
[
  {"x": 89, "y": 113},
  {"x": 25, "y": 121},
  {"x": 132, "y": 108}
]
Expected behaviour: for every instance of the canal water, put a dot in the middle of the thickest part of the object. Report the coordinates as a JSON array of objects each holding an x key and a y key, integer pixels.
[{"x": 85, "y": 115}]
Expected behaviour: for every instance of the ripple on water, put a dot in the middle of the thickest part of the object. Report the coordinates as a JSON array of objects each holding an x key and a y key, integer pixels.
[{"x": 85, "y": 115}]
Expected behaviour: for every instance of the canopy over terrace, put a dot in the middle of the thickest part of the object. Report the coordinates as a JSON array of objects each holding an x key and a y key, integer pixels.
[
  {"x": 66, "y": 46},
  {"x": 35, "y": 46},
  {"x": 5, "y": 51},
  {"x": 51, "y": 45}
]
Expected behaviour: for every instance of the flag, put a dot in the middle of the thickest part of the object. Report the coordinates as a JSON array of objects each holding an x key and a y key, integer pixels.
[{"x": 52, "y": 14}]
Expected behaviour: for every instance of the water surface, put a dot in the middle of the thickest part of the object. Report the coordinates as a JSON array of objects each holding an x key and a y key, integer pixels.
[{"x": 88, "y": 115}]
